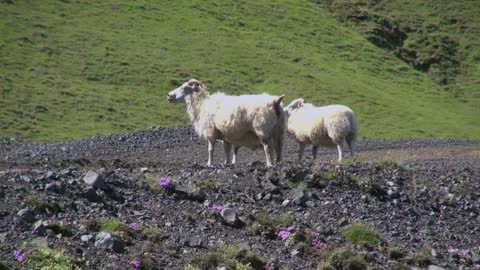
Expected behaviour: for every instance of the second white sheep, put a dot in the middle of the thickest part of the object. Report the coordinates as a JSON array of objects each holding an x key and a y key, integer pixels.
[{"x": 330, "y": 126}]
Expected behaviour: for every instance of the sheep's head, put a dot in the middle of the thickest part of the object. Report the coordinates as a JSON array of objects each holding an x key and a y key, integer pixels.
[
  {"x": 187, "y": 88},
  {"x": 294, "y": 105}
]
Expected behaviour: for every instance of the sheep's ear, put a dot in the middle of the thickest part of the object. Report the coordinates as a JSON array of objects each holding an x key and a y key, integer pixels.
[
  {"x": 299, "y": 103},
  {"x": 279, "y": 99},
  {"x": 196, "y": 85}
]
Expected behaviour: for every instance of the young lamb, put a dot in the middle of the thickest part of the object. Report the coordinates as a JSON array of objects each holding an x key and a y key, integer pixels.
[
  {"x": 326, "y": 126},
  {"x": 250, "y": 121}
]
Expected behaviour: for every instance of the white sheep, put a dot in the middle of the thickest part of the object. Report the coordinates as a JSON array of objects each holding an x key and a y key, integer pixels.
[
  {"x": 326, "y": 126},
  {"x": 250, "y": 121}
]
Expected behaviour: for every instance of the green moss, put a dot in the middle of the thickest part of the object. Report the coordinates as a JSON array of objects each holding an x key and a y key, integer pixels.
[
  {"x": 152, "y": 183},
  {"x": 329, "y": 175},
  {"x": 231, "y": 258},
  {"x": 38, "y": 201},
  {"x": 347, "y": 162},
  {"x": 210, "y": 184},
  {"x": 399, "y": 266},
  {"x": 44, "y": 258},
  {"x": 3, "y": 266},
  {"x": 110, "y": 225},
  {"x": 362, "y": 234},
  {"x": 343, "y": 259},
  {"x": 421, "y": 258},
  {"x": 151, "y": 232}
]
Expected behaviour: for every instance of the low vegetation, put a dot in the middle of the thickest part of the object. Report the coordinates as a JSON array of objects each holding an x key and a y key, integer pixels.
[
  {"x": 44, "y": 258},
  {"x": 229, "y": 257},
  {"x": 343, "y": 259},
  {"x": 361, "y": 234}
]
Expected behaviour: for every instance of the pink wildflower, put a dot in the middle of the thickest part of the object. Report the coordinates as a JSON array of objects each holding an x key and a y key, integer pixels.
[
  {"x": 19, "y": 256},
  {"x": 133, "y": 226},
  {"x": 452, "y": 250},
  {"x": 269, "y": 265},
  {"x": 136, "y": 263},
  {"x": 217, "y": 207},
  {"x": 164, "y": 182},
  {"x": 283, "y": 234},
  {"x": 464, "y": 252},
  {"x": 476, "y": 266},
  {"x": 289, "y": 229},
  {"x": 318, "y": 243}
]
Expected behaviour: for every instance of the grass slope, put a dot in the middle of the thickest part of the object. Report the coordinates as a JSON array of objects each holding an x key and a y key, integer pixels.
[{"x": 106, "y": 66}]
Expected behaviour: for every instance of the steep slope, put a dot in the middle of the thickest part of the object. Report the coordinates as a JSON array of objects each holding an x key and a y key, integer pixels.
[{"x": 72, "y": 69}]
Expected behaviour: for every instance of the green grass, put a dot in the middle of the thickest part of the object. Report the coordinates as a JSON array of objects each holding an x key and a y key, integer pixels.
[
  {"x": 106, "y": 66},
  {"x": 361, "y": 234},
  {"x": 111, "y": 225},
  {"x": 343, "y": 259}
]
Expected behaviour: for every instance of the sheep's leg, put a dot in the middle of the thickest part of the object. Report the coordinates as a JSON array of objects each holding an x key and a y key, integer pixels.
[
  {"x": 235, "y": 151},
  {"x": 340, "y": 153},
  {"x": 228, "y": 150},
  {"x": 278, "y": 149},
  {"x": 268, "y": 148},
  {"x": 314, "y": 151},
  {"x": 350, "y": 146},
  {"x": 211, "y": 147},
  {"x": 300, "y": 151}
]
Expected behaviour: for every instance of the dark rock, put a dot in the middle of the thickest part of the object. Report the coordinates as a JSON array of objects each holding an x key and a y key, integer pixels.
[
  {"x": 115, "y": 195},
  {"x": 273, "y": 177},
  {"x": 86, "y": 237},
  {"x": 25, "y": 178},
  {"x": 298, "y": 197},
  {"x": 108, "y": 241},
  {"x": 343, "y": 222},
  {"x": 197, "y": 195},
  {"x": 194, "y": 242},
  {"x": 54, "y": 187},
  {"x": 412, "y": 212},
  {"x": 269, "y": 187},
  {"x": 40, "y": 227},
  {"x": 229, "y": 215},
  {"x": 51, "y": 175},
  {"x": 95, "y": 180},
  {"x": 310, "y": 204},
  {"x": 26, "y": 215},
  {"x": 91, "y": 195},
  {"x": 142, "y": 184},
  {"x": 181, "y": 190}
]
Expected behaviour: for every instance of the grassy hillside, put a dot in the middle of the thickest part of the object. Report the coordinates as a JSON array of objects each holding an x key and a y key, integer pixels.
[{"x": 70, "y": 69}]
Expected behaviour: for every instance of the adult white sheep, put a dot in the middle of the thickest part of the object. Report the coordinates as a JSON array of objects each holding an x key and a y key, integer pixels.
[
  {"x": 250, "y": 121},
  {"x": 326, "y": 126}
]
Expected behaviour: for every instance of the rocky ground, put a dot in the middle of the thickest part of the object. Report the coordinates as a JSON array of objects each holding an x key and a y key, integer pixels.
[{"x": 145, "y": 200}]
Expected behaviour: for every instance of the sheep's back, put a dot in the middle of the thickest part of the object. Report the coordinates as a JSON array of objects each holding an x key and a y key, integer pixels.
[
  {"x": 243, "y": 119},
  {"x": 324, "y": 125}
]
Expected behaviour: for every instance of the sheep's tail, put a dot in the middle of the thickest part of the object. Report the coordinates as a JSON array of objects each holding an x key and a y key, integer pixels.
[
  {"x": 280, "y": 127},
  {"x": 351, "y": 137},
  {"x": 277, "y": 104}
]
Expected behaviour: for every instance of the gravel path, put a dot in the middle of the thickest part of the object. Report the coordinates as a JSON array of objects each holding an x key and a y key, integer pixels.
[{"x": 421, "y": 196}]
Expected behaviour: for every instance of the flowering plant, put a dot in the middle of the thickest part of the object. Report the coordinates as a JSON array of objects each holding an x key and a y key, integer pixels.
[{"x": 164, "y": 182}]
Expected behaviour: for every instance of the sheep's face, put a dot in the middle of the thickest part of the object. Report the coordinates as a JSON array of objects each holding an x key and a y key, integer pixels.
[
  {"x": 293, "y": 106},
  {"x": 187, "y": 88}
]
